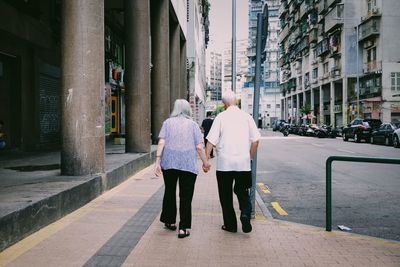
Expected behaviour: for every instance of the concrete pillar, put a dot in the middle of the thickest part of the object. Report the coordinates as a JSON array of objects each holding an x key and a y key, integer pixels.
[
  {"x": 292, "y": 113},
  {"x": 345, "y": 104},
  {"x": 332, "y": 103},
  {"x": 312, "y": 101},
  {"x": 321, "y": 105},
  {"x": 304, "y": 103},
  {"x": 175, "y": 62},
  {"x": 183, "y": 82},
  {"x": 298, "y": 108},
  {"x": 137, "y": 75},
  {"x": 160, "y": 85},
  {"x": 83, "y": 141}
]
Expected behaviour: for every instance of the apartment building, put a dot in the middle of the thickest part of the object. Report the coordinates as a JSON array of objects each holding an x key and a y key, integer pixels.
[
  {"x": 241, "y": 66},
  {"x": 333, "y": 58},
  {"x": 269, "y": 87},
  {"x": 214, "y": 75}
]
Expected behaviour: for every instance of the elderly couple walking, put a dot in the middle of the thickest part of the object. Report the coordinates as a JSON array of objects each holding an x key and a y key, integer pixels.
[{"x": 235, "y": 137}]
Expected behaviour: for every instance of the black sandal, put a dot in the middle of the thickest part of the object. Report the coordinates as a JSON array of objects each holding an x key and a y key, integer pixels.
[
  {"x": 170, "y": 226},
  {"x": 183, "y": 233},
  {"x": 223, "y": 227}
]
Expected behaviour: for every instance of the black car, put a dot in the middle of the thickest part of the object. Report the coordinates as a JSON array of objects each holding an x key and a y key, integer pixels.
[
  {"x": 360, "y": 129},
  {"x": 384, "y": 135}
]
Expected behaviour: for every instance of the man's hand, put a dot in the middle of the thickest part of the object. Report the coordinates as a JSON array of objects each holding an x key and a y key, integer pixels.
[{"x": 206, "y": 167}]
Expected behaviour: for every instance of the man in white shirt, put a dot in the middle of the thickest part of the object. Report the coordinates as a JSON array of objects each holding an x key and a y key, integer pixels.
[{"x": 235, "y": 137}]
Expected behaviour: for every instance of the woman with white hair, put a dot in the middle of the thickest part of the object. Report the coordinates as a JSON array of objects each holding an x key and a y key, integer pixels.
[{"x": 180, "y": 140}]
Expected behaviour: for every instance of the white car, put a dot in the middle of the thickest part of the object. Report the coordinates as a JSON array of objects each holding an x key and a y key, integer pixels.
[{"x": 396, "y": 138}]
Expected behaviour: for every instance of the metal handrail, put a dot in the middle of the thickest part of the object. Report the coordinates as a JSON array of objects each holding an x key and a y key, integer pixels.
[{"x": 329, "y": 179}]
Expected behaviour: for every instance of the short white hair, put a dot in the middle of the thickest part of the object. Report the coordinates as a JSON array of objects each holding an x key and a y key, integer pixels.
[
  {"x": 181, "y": 107},
  {"x": 229, "y": 97}
]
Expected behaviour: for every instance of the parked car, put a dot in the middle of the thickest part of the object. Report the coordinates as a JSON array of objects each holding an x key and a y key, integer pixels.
[
  {"x": 396, "y": 138},
  {"x": 277, "y": 125},
  {"x": 360, "y": 129},
  {"x": 384, "y": 135}
]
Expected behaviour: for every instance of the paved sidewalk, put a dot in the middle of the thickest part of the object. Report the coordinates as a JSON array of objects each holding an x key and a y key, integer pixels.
[{"x": 122, "y": 228}]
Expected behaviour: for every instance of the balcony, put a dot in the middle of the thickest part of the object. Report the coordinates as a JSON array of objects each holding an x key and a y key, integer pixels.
[
  {"x": 372, "y": 67},
  {"x": 369, "y": 29},
  {"x": 334, "y": 18},
  {"x": 331, "y": 2},
  {"x": 283, "y": 9},
  {"x": 335, "y": 72},
  {"x": 322, "y": 7},
  {"x": 283, "y": 34},
  {"x": 313, "y": 37}
]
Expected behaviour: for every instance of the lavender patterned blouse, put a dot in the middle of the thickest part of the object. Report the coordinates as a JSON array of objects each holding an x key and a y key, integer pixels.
[{"x": 181, "y": 136}]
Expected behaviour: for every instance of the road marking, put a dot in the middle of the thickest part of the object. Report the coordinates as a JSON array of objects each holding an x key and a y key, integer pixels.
[
  {"x": 346, "y": 151},
  {"x": 279, "y": 209},
  {"x": 264, "y": 188}
]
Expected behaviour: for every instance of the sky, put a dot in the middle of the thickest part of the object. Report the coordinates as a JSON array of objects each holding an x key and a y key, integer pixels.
[{"x": 221, "y": 22}]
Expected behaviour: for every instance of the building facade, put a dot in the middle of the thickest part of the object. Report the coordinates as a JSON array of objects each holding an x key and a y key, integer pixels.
[
  {"x": 72, "y": 72},
  {"x": 198, "y": 37},
  {"x": 241, "y": 66},
  {"x": 214, "y": 75},
  {"x": 333, "y": 59}
]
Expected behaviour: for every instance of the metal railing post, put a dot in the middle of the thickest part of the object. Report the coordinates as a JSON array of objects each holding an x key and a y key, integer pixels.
[{"x": 329, "y": 161}]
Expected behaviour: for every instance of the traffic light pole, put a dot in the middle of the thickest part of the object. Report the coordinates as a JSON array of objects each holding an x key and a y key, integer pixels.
[{"x": 256, "y": 104}]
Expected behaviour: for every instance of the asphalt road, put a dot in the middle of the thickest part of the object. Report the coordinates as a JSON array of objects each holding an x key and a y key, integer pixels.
[{"x": 365, "y": 196}]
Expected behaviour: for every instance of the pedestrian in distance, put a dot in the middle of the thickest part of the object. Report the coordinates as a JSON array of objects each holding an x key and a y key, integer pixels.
[
  {"x": 235, "y": 136},
  {"x": 3, "y": 137},
  {"x": 205, "y": 127},
  {"x": 180, "y": 141}
]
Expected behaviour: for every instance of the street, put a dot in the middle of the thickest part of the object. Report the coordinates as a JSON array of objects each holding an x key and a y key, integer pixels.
[{"x": 365, "y": 196}]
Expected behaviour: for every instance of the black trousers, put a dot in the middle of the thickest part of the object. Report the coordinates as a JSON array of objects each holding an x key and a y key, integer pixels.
[
  {"x": 241, "y": 188},
  {"x": 186, "y": 189}
]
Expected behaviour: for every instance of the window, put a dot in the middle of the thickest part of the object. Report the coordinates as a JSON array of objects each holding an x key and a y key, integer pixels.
[
  {"x": 395, "y": 81},
  {"x": 325, "y": 67},
  {"x": 278, "y": 105},
  {"x": 371, "y": 54},
  {"x": 268, "y": 105},
  {"x": 315, "y": 73}
]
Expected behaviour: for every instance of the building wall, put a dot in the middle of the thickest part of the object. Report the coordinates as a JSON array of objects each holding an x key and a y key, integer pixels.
[{"x": 196, "y": 44}]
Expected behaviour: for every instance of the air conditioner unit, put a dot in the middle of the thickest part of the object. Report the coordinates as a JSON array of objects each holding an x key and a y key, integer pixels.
[{"x": 375, "y": 10}]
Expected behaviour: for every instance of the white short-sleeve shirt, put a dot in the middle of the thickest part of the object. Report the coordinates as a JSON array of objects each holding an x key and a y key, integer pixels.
[{"x": 232, "y": 133}]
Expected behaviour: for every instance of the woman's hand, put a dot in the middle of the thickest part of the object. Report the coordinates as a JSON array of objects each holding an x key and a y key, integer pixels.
[{"x": 157, "y": 169}]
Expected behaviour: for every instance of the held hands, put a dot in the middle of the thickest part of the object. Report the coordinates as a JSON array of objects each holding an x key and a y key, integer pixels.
[{"x": 206, "y": 166}]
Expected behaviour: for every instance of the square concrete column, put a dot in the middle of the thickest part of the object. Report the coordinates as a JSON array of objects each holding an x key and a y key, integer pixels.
[
  {"x": 321, "y": 105},
  {"x": 298, "y": 108},
  {"x": 345, "y": 104},
  {"x": 160, "y": 78},
  {"x": 304, "y": 103},
  {"x": 82, "y": 47},
  {"x": 312, "y": 100},
  {"x": 332, "y": 103},
  {"x": 292, "y": 114},
  {"x": 137, "y": 73},
  {"x": 174, "y": 62},
  {"x": 183, "y": 83}
]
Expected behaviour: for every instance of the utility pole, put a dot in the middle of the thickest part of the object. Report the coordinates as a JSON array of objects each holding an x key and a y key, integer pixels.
[
  {"x": 234, "y": 46},
  {"x": 261, "y": 40}
]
